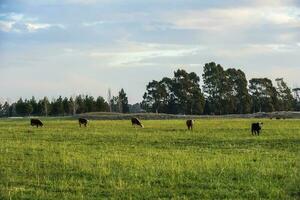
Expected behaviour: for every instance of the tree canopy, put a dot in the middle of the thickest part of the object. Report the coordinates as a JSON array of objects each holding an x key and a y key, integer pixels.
[{"x": 224, "y": 91}]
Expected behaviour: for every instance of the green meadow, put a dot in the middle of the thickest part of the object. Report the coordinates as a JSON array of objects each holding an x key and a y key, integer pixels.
[{"x": 219, "y": 159}]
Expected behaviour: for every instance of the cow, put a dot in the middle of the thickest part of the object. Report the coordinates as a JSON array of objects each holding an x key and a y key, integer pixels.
[
  {"x": 255, "y": 128},
  {"x": 82, "y": 121},
  {"x": 136, "y": 121},
  {"x": 36, "y": 122},
  {"x": 189, "y": 124}
]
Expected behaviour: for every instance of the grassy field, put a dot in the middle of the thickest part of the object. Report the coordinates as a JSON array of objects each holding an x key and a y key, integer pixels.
[{"x": 220, "y": 159}]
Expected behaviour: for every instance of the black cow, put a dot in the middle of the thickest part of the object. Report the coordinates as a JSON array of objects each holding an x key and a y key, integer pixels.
[
  {"x": 136, "y": 121},
  {"x": 82, "y": 121},
  {"x": 189, "y": 124},
  {"x": 36, "y": 122},
  {"x": 256, "y": 128}
]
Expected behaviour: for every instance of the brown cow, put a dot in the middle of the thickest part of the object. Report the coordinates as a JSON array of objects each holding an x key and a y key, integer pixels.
[
  {"x": 36, "y": 122},
  {"x": 136, "y": 121},
  {"x": 82, "y": 121},
  {"x": 190, "y": 123}
]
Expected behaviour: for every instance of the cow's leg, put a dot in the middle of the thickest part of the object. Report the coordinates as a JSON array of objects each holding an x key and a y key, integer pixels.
[{"x": 85, "y": 124}]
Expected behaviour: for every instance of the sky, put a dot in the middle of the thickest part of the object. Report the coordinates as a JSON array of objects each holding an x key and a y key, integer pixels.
[{"x": 68, "y": 47}]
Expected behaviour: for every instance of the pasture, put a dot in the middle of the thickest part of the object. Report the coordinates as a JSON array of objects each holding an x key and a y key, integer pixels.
[{"x": 220, "y": 159}]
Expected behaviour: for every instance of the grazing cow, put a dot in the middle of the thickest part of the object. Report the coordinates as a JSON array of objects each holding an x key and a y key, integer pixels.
[
  {"x": 255, "y": 128},
  {"x": 36, "y": 122},
  {"x": 189, "y": 124},
  {"x": 136, "y": 121},
  {"x": 82, "y": 121}
]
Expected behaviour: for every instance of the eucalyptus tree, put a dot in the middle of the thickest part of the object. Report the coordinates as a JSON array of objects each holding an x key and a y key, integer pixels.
[
  {"x": 215, "y": 87},
  {"x": 285, "y": 96},
  {"x": 263, "y": 95},
  {"x": 237, "y": 97}
]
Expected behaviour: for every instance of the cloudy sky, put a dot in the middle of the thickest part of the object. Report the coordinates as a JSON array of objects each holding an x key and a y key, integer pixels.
[{"x": 67, "y": 47}]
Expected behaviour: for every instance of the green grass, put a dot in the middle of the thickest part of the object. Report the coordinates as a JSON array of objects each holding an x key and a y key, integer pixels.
[{"x": 220, "y": 159}]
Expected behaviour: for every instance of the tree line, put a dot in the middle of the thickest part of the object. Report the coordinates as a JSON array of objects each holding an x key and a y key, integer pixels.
[
  {"x": 223, "y": 92},
  {"x": 65, "y": 106}
]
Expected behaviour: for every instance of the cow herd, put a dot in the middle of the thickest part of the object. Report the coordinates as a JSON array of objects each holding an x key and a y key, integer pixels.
[{"x": 255, "y": 127}]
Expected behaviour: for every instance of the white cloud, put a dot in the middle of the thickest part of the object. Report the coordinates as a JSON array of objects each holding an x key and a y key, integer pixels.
[
  {"x": 11, "y": 22},
  {"x": 32, "y": 27},
  {"x": 140, "y": 52},
  {"x": 224, "y": 19},
  {"x": 256, "y": 50},
  {"x": 272, "y": 47},
  {"x": 273, "y": 3},
  {"x": 94, "y": 23},
  {"x": 6, "y": 26}
]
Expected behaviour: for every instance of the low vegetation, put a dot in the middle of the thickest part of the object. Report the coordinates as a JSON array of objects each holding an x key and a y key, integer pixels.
[{"x": 111, "y": 159}]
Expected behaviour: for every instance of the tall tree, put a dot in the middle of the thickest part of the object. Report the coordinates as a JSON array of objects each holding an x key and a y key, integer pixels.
[
  {"x": 187, "y": 92},
  {"x": 57, "y": 107},
  {"x": 215, "y": 86},
  {"x": 34, "y": 105},
  {"x": 23, "y": 108},
  {"x": 20, "y": 107},
  {"x": 123, "y": 101},
  {"x": 40, "y": 107},
  {"x": 81, "y": 108},
  {"x": 101, "y": 105},
  {"x": 238, "y": 96},
  {"x": 66, "y": 106},
  {"x": 169, "y": 101},
  {"x": 114, "y": 103},
  {"x": 263, "y": 95},
  {"x": 285, "y": 96},
  {"x": 181, "y": 94},
  {"x": 154, "y": 96},
  {"x": 89, "y": 103}
]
